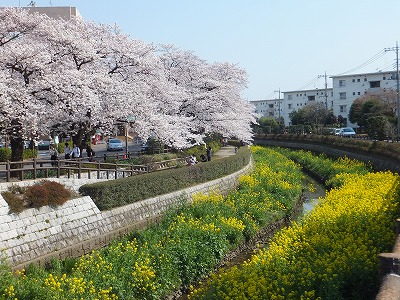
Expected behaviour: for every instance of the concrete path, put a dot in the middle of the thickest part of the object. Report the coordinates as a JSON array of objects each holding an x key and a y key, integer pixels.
[{"x": 224, "y": 152}]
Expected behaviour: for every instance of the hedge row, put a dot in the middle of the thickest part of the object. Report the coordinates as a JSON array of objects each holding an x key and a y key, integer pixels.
[
  {"x": 115, "y": 193},
  {"x": 5, "y": 154},
  {"x": 381, "y": 148},
  {"x": 324, "y": 168}
]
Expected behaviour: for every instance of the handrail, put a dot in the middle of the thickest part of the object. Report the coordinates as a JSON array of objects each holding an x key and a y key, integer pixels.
[{"x": 66, "y": 167}]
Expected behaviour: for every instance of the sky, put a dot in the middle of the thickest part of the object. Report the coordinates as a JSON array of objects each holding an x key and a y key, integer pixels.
[{"x": 283, "y": 45}]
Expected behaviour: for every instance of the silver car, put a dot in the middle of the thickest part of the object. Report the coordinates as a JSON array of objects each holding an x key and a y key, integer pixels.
[
  {"x": 347, "y": 131},
  {"x": 115, "y": 145}
]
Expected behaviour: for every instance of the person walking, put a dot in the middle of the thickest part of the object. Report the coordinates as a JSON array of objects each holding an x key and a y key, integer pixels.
[
  {"x": 67, "y": 151},
  {"x": 90, "y": 152},
  {"x": 54, "y": 155},
  {"x": 76, "y": 152}
]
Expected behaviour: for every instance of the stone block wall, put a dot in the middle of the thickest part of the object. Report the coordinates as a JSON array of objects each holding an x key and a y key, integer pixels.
[{"x": 78, "y": 226}]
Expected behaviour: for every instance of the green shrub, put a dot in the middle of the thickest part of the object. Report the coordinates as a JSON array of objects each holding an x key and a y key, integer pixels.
[
  {"x": 124, "y": 191},
  {"x": 5, "y": 154}
]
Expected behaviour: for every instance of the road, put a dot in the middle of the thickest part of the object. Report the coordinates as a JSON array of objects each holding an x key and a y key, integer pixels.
[{"x": 100, "y": 149}]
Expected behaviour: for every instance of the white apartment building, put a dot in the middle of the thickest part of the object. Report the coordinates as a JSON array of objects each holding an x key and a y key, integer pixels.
[
  {"x": 345, "y": 89},
  {"x": 295, "y": 100},
  {"x": 268, "y": 108}
]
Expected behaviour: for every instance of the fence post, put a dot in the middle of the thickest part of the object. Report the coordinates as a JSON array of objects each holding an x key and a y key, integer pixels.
[
  {"x": 8, "y": 167},
  {"x": 34, "y": 168},
  {"x": 79, "y": 169},
  {"x": 116, "y": 171},
  {"x": 58, "y": 168},
  {"x": 98, "y": 170}
]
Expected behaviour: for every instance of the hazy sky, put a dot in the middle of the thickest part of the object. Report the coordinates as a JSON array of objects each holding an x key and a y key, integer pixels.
[{"x": 282, "y": 45}]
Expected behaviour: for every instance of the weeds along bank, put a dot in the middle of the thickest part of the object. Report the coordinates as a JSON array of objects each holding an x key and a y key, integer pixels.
[
  {"x": 186, "y": 245},
  {"x": 332, "y": 253}
]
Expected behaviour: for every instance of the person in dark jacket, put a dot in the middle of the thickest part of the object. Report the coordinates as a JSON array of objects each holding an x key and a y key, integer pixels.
[{"x": 209, "y": 153}]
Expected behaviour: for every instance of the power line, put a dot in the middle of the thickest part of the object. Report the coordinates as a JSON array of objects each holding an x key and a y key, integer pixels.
[
  {"x": 309, "y": 83},
  {"x": 366, "y": 63}
]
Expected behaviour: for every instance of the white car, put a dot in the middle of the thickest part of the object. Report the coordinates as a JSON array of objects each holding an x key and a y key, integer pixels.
[
  {"x": 115, "y": 145},
  {"x": 347, "y": 131},
  {"x": 336, "y": 131}
]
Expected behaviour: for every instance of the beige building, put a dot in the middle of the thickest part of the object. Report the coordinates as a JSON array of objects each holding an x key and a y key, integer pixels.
[{"x": 63, "y": 12}]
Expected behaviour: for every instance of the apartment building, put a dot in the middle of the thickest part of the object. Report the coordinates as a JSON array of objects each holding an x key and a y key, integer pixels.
[
  {"x": 267, "y": 108},
  {"x": 63, "y": 12},
  {"x": 295, "y": 100},
  {"x": 345, "y": 89}
]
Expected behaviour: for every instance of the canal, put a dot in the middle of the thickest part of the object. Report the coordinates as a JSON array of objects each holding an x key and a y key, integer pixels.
[{"x": 313, "y": 191}]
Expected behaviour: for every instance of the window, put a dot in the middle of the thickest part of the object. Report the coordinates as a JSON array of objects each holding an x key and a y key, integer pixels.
[
  {"x": 374, "y": 84},
  {"x": 354, "y": 93},
  {"x": 384, "y": 77},
  {"x": 343, "y": 108},
  {"x": 290, "y": 106},
  {"x": 271, "y": 106},
  {"x": 342, "y": 96},
  {"x": 358, "y": 93},
  {"x": 354, "y": 80},
  {"x": 365, "y": 79},
  {"x": 311, "y": 98},
  {"x": 289, "y": 97},
  {"x": 342, "y": 83},
  {"x": 358, "y": 80}
]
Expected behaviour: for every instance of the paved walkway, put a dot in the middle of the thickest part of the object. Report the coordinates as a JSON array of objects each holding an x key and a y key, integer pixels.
[{"x": 225, "y": 151}]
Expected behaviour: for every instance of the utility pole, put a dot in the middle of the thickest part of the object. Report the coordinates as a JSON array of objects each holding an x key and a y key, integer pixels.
[
  {"x": 326, "y": 90},
  {"x": 279, "y": 104},
  {"x": 396, "y": 49},
  {"x": 397, "y": 88}
]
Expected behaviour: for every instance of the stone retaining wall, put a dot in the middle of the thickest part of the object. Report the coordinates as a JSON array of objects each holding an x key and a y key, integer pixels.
[
  {"x": 78, "y": 226},
  {"x": 390, "y": 271}
]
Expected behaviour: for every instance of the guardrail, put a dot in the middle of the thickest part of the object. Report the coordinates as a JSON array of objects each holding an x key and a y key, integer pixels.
[{"x": 41, "y": 168}]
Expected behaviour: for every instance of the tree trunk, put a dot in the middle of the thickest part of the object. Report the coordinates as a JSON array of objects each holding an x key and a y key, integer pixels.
[
  {"x": 17, "y": 148},
  {"x": 17, "y": 154}
]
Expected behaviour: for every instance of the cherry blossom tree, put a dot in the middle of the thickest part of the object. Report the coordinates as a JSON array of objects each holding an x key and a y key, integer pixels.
[
  {"x": 210, "y": 95},
  {"x": 69, "y": 74},
  {"x": 21, "y": 73},
  {"x": 75, "y": 76}
]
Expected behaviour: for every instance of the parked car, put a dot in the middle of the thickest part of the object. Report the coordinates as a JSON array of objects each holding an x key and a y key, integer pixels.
[
  {"x": 44, "y": 145},
  {"x": 347, "y": 132},
  {"x": 115, "y": 145},
  {"x": 336, "y": 131}
]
